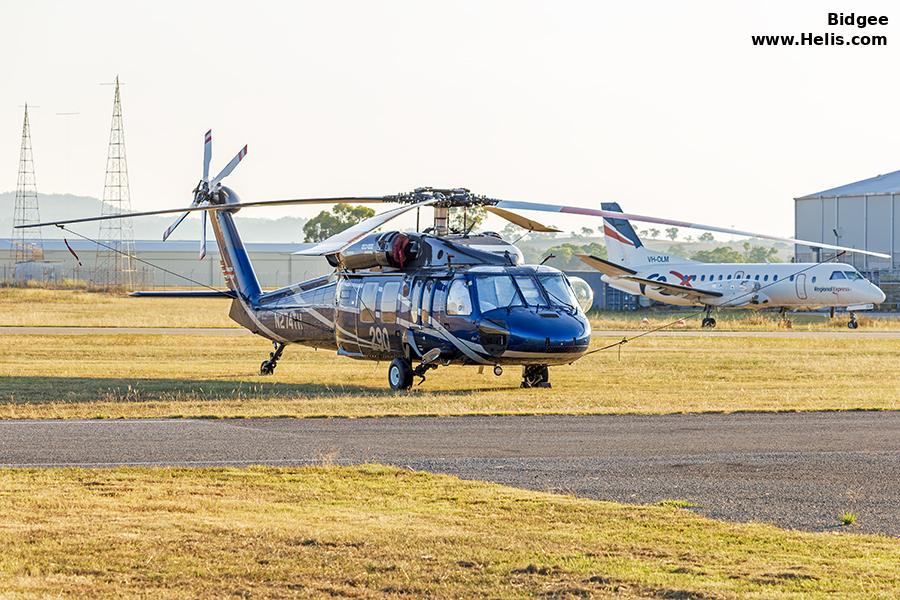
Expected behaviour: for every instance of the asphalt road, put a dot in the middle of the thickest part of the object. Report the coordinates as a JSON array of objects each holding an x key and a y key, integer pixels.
[
  {"x": 798, "y": 470},
  {"x": 235, "y": 331}
]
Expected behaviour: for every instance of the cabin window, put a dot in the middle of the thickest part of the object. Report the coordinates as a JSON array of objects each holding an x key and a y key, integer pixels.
[
  {"x": 791, "y": 278},
  {"x": 348, "y": 296},
  {"x": 367, "y": 302},
  {"x": 838, "y": 275},
  {"x": 530, "y": 290},
  {"x": 814, "y": 279},
  {"x": 729, "y": 277},
  {"x": 774, "y": 277},
  {"x": 703, "y": 278},
  {"x": 459, "y": 302},
  {"x": 496, "y": 291},
  {"x": 766, "y": 278},
  {"x": 426, "y": 300},
  {"x": 720, "y": 278},
  {"x": 756, "y": 278},
  {"x": 414, "y": 300},
  {"x": 852, "y": 275},
  {"x": 389, "y": 294}
]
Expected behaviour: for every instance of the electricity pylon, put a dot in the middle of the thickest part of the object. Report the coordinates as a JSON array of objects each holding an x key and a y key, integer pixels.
[
  {"x": 27, "y": 244},
  {"x": 114, "y": 267}
]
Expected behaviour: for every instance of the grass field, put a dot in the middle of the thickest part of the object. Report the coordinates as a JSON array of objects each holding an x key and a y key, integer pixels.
[
  {"x": 121, "y": 375},
  {"x": 40, "y": 307},
  {"x": 382, "y": 532}
]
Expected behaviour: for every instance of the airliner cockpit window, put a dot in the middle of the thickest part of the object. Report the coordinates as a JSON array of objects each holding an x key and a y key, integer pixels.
[
  {"x": 837, "y": 275},
  {"x": 852, "y": 275},
  {"x": 496, "y": 291}
]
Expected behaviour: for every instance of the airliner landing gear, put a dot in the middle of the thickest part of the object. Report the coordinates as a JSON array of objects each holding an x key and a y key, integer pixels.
[
  {"x": 853, "y": 324},
  {"x": 708, "y": 321},
  {"x": 785, "y": 322},
  {"x": 535, "y": 376},
  {"x": 268, "y": 366}
]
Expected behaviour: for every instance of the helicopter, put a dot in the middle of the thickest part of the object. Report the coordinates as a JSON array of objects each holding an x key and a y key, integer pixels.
[{"x": 417, "y": 300}]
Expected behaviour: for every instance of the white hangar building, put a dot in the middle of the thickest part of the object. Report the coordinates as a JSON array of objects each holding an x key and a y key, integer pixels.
[{"x": 864, "y": 214}]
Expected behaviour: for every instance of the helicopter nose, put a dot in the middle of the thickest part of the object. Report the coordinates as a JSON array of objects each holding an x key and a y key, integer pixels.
[{"x": 547, "y": 332}]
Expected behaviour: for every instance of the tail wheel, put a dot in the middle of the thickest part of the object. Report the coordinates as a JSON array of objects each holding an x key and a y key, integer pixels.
[{"x": 400, "y": 374}]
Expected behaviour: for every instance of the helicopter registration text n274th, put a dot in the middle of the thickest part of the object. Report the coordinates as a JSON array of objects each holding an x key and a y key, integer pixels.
[{"x": 418, "y": 300}]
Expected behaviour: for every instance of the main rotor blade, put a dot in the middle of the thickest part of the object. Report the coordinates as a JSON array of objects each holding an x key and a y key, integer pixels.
[
  {"x": 207, "y": 153},
  {"x": 341, "y": 240},
  {"x": 229, "y": 167},
  {"x": 524, "y": 222},
  {"x": 609, "y": 214},
  {"x": 207, "y": 207}
]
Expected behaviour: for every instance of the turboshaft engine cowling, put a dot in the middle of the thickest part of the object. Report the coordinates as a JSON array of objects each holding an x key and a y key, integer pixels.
[{"x": 392, "y": 249}]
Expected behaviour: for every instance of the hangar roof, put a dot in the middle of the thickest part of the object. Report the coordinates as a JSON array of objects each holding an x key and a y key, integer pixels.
[{"x": 888, "y": 183}]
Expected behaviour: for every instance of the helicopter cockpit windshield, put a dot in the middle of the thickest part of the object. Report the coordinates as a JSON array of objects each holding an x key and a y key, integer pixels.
[{"x": 523, "y": 289}]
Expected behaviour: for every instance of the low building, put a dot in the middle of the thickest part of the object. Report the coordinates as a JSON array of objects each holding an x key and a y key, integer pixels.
[{"x": 275, "y": 264}]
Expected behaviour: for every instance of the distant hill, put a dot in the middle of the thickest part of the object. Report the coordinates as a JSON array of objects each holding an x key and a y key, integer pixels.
[{"x": 68, "y": 206}]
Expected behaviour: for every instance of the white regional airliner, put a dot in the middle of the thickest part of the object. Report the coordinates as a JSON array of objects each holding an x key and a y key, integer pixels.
[{"x": 675, "y": 280}]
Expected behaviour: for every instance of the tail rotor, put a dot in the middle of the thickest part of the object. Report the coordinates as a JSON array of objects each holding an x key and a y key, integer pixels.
[{"x": 207, "y": 191}]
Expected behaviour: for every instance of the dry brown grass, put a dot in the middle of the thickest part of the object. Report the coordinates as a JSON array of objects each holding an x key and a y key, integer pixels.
[
  {"x": 42, "y": 307},
  {"x": 381, "y": 532},
  {"x": 70, "y": 376},
  {"x": 737, "y": 320}
]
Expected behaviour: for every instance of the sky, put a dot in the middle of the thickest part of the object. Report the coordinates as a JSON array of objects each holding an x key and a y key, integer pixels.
[{"x": 665, "y": 107}]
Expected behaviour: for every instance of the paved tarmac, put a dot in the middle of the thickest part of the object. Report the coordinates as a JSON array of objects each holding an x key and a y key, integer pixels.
[
  {"x": 620, "y": 333},
  {"x": 797, "y": 470}
]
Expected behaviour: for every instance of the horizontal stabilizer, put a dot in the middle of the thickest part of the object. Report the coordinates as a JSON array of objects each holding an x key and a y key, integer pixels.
[
  {"x": 604, "y": 266},
  {"x": 684, "y": 291},
  {"x": 184, "y": 294}
]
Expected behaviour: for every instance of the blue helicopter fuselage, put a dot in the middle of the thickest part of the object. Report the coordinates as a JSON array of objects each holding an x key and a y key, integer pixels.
[{"x": 484, "y": 315}]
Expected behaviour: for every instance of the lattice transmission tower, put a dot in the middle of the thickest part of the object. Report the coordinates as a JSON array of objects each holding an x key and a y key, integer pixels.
[
  {"x": 27, "y": 244},
  {"x": 114, "y": 267}
]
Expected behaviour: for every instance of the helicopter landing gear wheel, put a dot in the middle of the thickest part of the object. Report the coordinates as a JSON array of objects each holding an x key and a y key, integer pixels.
[
  {"x": 535, "y": 376},
  {"x": 853, "y": 324},
  {"x": 400, "y": 374},
  {"x": 268, "y": 366},
  {"x": 708, "y": 322}
]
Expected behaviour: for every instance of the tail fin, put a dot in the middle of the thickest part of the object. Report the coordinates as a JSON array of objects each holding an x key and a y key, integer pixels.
[
  {"x": 623, "y": 246},
  {"x": 235, "y": 262}
]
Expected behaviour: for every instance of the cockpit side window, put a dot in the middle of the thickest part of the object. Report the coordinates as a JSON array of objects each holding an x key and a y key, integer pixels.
[
  {"x": 852, "y": 275},
  {"x": 558, "y": 290},
  {"x": 459, "y": 302},
  {"x": 496, "y": 291},
  {"x": 837, "y": 275}
]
